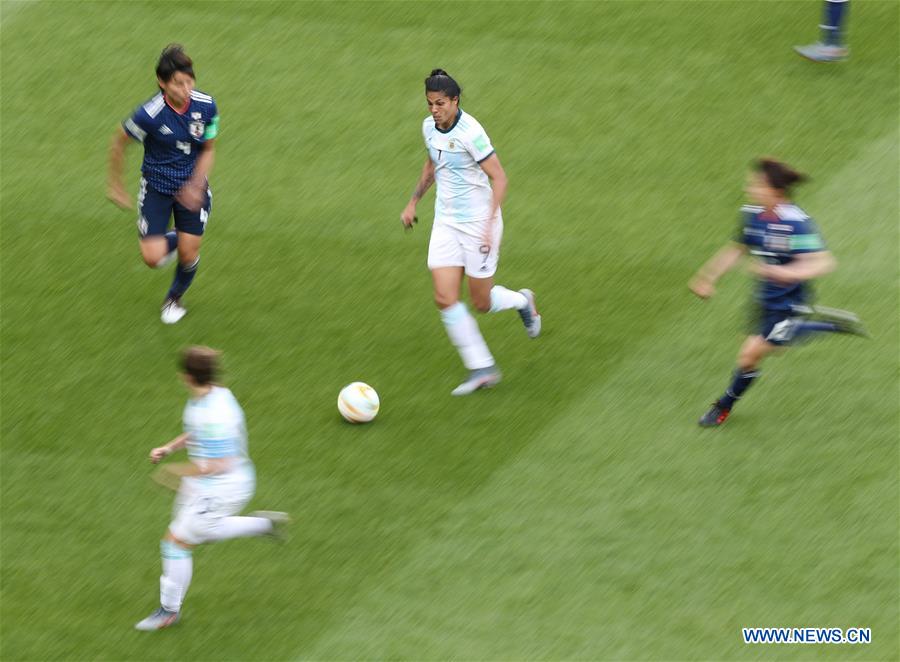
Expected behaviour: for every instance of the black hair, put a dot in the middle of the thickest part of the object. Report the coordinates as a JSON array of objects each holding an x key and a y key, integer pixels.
[
  {"x": 440, "y": 81},
  {"x": 172, "y": 59},
  {"x": 778, "y": 175},
  {"x": 201, "y": 363}
]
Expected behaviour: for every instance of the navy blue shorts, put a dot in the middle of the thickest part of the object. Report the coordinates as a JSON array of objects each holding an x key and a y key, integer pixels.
[
  {"x": 155, "y": 209},
  {"x": 777, "y": 326}
]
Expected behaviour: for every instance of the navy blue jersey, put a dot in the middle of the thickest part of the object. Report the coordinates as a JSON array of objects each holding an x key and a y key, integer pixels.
[
  {"x": 778, "y": 237},
  {"x": 172, "y": 140}
]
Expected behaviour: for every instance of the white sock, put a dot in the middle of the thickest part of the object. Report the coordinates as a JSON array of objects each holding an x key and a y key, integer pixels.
[
  {"x": 240, "y": 527},
  {"x": 178, "y": 566},
  {"x": 464, "y": 334},
  {"x": 504, "y": 299}
]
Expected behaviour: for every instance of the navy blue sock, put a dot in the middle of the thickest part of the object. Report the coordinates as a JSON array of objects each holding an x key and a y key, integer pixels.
[
  {"x": 835, "y": 12},
  {"x": 740, "y": 383},
  {"x": 807, "y": 328},
  {"x": 184, "y": 275},
  {"x": 172, "y": 241}
]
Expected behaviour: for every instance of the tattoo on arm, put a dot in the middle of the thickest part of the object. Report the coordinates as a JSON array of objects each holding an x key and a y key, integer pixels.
[{"x": 423, "y": 185}]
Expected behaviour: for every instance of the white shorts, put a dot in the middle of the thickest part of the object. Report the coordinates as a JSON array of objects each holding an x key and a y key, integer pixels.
[
  {"x": 202, "y": 502},
  {"x": 462, "y": 245}
]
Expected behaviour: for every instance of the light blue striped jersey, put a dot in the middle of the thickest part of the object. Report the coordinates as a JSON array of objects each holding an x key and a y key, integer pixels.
[
  {"x": 215, "y": 423},
  {"x": 463, "y": 189}
]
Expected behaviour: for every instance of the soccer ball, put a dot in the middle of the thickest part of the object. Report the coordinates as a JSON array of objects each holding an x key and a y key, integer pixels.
[{"x": 358, "y": 402}]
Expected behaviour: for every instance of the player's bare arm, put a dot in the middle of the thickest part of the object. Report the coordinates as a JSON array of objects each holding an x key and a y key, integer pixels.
[
  {"x": 703, "y": 284},
  {"x": 499, "y": 183},
  {"x": 170, "y": 475},
  {"x": 176, "y": 444},
  {"x": 115, "y": 189},
  {"x": 206, "y": 467},
  {"x": 805, "y": 266},
  {"x": 426, "y": 179},
  {"x": 193, "y": 193}
]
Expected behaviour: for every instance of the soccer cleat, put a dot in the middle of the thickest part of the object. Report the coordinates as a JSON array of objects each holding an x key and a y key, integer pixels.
[
  {"x": 820, "y": 52},
  {"x": 172, "y": 310},
  {"x": 530, "y": 316},
  {"x": 161, "y": 618},
  {"x": 846, "y": 321},
  {"x": 279, "y": 521},
  {"x": 715, "y": 416},
  {"x": 480, "y": 378},
  {"x": 854, "y": 328}
]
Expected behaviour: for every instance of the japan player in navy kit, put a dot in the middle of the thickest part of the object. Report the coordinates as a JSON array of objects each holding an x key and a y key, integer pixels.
[
  {"x": 178, "y": 127},
  {"x": 467, "y": 228},
  {"x": 790, "y": 254}
]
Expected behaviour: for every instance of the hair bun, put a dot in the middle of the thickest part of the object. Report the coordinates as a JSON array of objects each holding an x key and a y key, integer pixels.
[
  {"x": 173, "y": 48},
  {"x": 778, "y": 174},
  {"x": 796, "y": 177},
  {"x": 438, "y": 72}
]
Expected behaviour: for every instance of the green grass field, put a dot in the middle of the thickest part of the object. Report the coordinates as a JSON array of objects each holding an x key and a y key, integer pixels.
[{"x": 574, "y": 512}]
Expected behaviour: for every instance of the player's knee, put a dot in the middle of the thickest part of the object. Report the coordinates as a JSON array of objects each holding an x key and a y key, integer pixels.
[
  {"x": 482, "y": 304},
  {"x": 188, "y": 256},
  {"x": 745, "y": 364},
  {"x": 154, "y": 251},
  {"x": 152, "y": 258},
  {"x": 748, "y": 359},
  {"x": 171, "y": 538},
  {"x": 444, "y": 299}
]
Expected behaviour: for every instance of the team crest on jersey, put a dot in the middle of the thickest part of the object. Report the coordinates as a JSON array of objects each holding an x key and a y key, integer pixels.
[
  {"x": 451, "y": 144},
  {"x": 196, "y": 116},
  {"x": 196, "y": 128}
]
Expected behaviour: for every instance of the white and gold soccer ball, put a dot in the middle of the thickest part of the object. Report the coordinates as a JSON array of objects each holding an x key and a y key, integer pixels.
[{"x": 358, "y": 402}]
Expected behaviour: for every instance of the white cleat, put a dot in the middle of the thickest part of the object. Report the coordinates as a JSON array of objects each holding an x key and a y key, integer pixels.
[
  {"x": 279, "y": 521},
  {"x": 161, "y": 618},
  {"x": 822, "y": 52},
  {"x": 530, "y": 316},
  {"x": 172, "y": 311},
  {"x": 481, "y": 378}
]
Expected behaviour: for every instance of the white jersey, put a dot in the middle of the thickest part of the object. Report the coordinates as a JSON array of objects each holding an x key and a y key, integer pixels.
[
  {"x": 216, "y": 427},
  {"x": 215, "y": 423},
  {"x": 463, "y": 189}
]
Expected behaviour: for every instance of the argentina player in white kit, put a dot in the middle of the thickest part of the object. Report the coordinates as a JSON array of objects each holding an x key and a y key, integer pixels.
[
  {"x": 467, "y": 229},
  {"x": 215, "y": 485}
]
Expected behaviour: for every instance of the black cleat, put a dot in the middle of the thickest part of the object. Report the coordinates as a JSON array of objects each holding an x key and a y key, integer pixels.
[{"x": 715, "y": 416}]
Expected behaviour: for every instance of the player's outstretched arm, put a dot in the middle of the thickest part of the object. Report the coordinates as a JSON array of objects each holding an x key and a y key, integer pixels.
[
  {"x": 160, "y": 452},
  {"x": 193, "y": 194},
  {"x": 703, "y": 284},
  {"x": 170, "y": 475},
  {"x": 426, "y": 179},
  {"x": 115, "y": 190},
  {"x": 805, "y": 266},
  {"x": 499, "y": 183}
]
